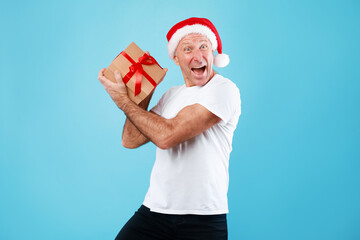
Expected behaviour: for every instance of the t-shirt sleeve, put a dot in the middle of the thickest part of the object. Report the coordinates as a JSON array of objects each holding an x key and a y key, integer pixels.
[{"x": 221, "y": 99}]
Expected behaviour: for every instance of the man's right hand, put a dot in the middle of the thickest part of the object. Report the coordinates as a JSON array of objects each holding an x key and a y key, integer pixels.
[{"x": 117, "y": 91}]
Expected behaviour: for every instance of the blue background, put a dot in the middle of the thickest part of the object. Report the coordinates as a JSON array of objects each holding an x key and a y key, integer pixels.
[{"x": 294, "y": 169}]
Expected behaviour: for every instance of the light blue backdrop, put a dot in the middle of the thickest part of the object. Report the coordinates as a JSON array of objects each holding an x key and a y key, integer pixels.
[{"x": 294, "y": 169}]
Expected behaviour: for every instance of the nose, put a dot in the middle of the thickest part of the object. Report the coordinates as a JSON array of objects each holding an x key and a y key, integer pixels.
[{"x": 197, "y": 55}]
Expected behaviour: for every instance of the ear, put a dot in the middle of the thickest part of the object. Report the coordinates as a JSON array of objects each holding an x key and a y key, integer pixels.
[{"x": 176, "y": 60}]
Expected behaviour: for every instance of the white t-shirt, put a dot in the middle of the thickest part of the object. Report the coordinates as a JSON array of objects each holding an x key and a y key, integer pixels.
[{"x": 193, "y": 177}]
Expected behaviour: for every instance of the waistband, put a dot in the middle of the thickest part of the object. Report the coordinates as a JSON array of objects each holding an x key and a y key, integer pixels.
[{"x": 146, "y": 210}]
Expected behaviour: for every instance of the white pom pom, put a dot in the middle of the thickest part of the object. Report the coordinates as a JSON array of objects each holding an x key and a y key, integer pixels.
[{"x": 221, "y": 60}]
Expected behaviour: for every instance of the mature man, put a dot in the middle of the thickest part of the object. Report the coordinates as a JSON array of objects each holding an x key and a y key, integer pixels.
[{"x": 192, "y": 126}]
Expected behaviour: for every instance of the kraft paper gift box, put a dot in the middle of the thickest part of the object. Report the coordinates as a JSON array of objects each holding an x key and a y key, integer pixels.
[{"x": 140, "y": 72}]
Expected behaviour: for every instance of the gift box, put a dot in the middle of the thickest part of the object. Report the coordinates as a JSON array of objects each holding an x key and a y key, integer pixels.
[{"x": 139, "y": 71}]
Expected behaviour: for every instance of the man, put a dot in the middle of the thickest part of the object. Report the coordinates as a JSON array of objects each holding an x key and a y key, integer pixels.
[{"x": 192, "y": 126}]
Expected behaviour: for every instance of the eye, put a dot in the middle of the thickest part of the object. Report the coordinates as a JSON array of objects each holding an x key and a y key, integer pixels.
[
  {"x": 187, "y": 49},
  {"x": 203, "y": 46}
]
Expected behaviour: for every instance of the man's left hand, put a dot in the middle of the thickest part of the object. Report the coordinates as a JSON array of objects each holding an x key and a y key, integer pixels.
[{"x": 117, "y": 91}]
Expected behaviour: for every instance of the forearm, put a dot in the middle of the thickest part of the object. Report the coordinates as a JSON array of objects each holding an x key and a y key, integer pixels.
[
  {"x": 151, "y": 126},
  {"x": 132, "y": 137}
]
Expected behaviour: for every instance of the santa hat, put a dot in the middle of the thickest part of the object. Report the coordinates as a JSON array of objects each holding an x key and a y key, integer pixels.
[{"x": 197, "y": 25}]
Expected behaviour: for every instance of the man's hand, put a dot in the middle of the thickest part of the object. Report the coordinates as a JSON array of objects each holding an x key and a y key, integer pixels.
[{"x": 117, "y": 91}]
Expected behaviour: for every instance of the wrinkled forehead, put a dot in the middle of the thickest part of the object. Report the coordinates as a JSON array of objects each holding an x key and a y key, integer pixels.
[{"x": 194, "y": 38}]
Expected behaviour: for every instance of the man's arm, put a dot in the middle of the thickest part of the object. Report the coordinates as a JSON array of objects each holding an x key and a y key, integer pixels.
[
  {"x": 164, "y": 133},
  {"x": 132, "y": 137}
]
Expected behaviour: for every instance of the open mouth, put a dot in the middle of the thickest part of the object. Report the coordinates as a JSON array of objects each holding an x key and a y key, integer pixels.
[{"x": 198, "y": 70}]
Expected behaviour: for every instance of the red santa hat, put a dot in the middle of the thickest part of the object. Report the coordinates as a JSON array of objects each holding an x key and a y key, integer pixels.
[{"x": 197, "y": 25}]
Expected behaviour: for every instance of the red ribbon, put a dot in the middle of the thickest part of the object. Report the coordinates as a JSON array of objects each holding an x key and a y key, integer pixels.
[{"x": 137, "y": 68}]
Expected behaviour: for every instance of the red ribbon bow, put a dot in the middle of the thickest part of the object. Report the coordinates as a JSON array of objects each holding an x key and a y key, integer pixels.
[{"x": 137, "y": 68}]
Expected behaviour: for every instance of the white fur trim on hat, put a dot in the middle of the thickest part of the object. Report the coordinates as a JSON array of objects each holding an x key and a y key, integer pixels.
[{"x": 182, "y": 32}]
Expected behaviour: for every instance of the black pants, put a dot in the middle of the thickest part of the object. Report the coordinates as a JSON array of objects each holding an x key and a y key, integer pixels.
[{"x": 147, "y": 225}]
